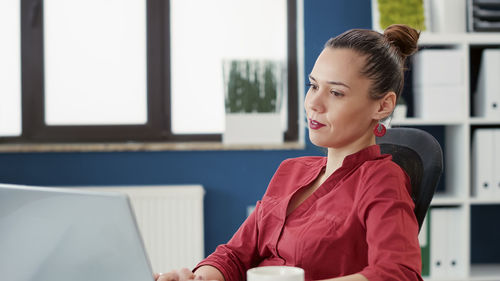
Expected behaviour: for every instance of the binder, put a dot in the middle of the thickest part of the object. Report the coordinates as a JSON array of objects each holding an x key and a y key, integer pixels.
[
  {"x": 438, "y": 80},
  {"x": 429, "y": 101},
  {"x": 482, "y": 163},
  {"x": 438, "y": 67},
  {"x": 454, "y": 263},
  {"x": 439, "y": 242},
  {"x": 448, "y": 16},
  {"x": 447, "y": 254},
  {"x": 487, "y": 95},
  {"x": 496, "y": 165}
]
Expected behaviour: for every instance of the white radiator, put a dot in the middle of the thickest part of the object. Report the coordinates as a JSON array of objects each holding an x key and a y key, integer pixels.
[{"x": 170, "y": 219}]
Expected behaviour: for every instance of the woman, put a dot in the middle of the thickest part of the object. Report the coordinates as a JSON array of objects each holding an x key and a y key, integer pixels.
[{"x": 347, "y": 216}]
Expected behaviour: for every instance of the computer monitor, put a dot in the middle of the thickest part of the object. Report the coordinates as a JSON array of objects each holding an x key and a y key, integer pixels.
[{"x": 52, "y": 234}]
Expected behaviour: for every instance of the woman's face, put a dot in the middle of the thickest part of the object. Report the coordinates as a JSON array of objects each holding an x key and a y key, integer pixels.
[{"x": 338, "y": 107}]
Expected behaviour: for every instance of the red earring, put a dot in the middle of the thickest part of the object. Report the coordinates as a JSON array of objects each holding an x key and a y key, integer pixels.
[{"x": 379, "y": 130}]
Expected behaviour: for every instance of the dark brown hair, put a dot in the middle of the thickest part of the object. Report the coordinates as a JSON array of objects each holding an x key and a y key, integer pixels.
[{"x": 385, "y": 55}]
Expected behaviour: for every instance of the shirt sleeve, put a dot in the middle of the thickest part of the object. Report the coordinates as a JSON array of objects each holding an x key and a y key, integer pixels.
[
  {"x": 240, "y": 253},
  {"x": 386, "y": 210}
]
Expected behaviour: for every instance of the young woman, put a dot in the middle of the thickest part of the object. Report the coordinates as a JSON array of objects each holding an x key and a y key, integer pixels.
[{"x": 347, "y": 216}]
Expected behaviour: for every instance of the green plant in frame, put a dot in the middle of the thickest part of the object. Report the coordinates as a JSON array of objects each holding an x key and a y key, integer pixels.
[
  {"x": 268, "y": 99},
  {"x": 252, "y": 86},
  {"x": 409, "y": 12}
]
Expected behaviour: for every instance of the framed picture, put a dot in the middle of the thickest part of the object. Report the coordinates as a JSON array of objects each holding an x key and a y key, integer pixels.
[{"x": 415, "y": 13}]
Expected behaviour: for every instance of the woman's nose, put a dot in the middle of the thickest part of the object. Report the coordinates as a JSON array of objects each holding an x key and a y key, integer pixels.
[{"x": 314, "y": 102}]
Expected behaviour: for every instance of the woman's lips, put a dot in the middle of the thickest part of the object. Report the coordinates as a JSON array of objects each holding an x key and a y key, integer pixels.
[{"x": 315, "y": 125}]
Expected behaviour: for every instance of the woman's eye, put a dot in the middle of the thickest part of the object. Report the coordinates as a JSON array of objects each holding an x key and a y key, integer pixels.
[
  {"x": 337, "y": 94},
  {"x": 312, "y": 86}
]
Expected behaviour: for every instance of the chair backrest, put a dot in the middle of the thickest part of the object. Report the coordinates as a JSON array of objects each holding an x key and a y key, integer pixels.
[{"x": 421, "y": 157}]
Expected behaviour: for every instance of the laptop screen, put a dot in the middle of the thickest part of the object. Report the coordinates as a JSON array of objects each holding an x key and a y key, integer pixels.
[{"x": 52, "y": 234}]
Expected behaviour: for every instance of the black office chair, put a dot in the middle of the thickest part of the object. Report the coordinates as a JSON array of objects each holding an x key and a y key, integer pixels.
[{"x": 420, "y": 155}]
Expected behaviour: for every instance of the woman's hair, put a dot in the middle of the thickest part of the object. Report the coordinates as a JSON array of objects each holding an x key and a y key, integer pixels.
[{"x": 385, "y": 55}]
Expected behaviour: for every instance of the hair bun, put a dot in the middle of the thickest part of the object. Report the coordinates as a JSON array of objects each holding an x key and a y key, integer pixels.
[{"x": 403, "y": 37}]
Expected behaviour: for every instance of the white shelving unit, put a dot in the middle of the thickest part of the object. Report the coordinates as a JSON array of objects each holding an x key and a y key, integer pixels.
[{"x": 457, "y": 138}]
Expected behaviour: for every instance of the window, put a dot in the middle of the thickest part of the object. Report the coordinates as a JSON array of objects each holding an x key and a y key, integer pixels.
[
  {"x": 94, "y": 70},
  {"x": 203, "y": 38},
  {"x": 10, "y": 69},
  {"x": 133, "y": 70}
]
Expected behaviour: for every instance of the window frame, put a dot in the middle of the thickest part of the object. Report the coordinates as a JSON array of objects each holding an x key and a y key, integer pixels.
[{"x": 158, "y": 126}]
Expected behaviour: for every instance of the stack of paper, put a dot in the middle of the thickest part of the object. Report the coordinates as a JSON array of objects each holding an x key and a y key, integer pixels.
[
  {"x": 447, "y": 253},
  {"x": 438, "y": 84},
  {"x": 486, "y": 163},
  {"x": 487, "y": 95}
]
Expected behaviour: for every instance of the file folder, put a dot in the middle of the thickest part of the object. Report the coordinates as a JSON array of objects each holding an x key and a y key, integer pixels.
[
  {"x": 496, "y": 161},
  {"x": 455, "y": 261},
  {"x": 438, "y": 82},
  {"x": 442, "y": 67},
  {"x": 482, "y": 163},
  {"x": 439, "y": 242},
  {"x": 429, "y": 102},
  {"x": 487, "y": 95},
  {"x": 448, "y": 16},
  {"x": 447, "y": 254}
]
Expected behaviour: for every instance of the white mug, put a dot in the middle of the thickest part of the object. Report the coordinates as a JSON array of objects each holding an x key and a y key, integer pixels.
[{"x": 275, "y": 273}]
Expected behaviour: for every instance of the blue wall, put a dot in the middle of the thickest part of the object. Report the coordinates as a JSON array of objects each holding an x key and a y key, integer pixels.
[{"x": 232, "y": 179}]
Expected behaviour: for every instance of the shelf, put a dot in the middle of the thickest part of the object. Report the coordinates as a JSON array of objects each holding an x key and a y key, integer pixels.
[
  {"x": 476, "y": 38},
  {"x": 445, "y": 122},
  {"x": 428, "y": 278},
  {"x": 485, "y": 272},
  {"x": 483, "y": 121},
  {"x": 429, "y": 122},
  {"x": 446, "y": 200},
  {"x": 457, "y": 142},
  {"x": 484, "y": 201}
]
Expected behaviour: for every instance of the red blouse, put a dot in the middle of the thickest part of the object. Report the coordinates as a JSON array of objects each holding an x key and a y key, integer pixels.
[{"x": 360, "y": 220}]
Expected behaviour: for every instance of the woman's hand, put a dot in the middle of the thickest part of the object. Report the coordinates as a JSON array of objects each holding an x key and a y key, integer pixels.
[
  {"x": 176, "y": 275},
  {"x": 183, "y": 274}
]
